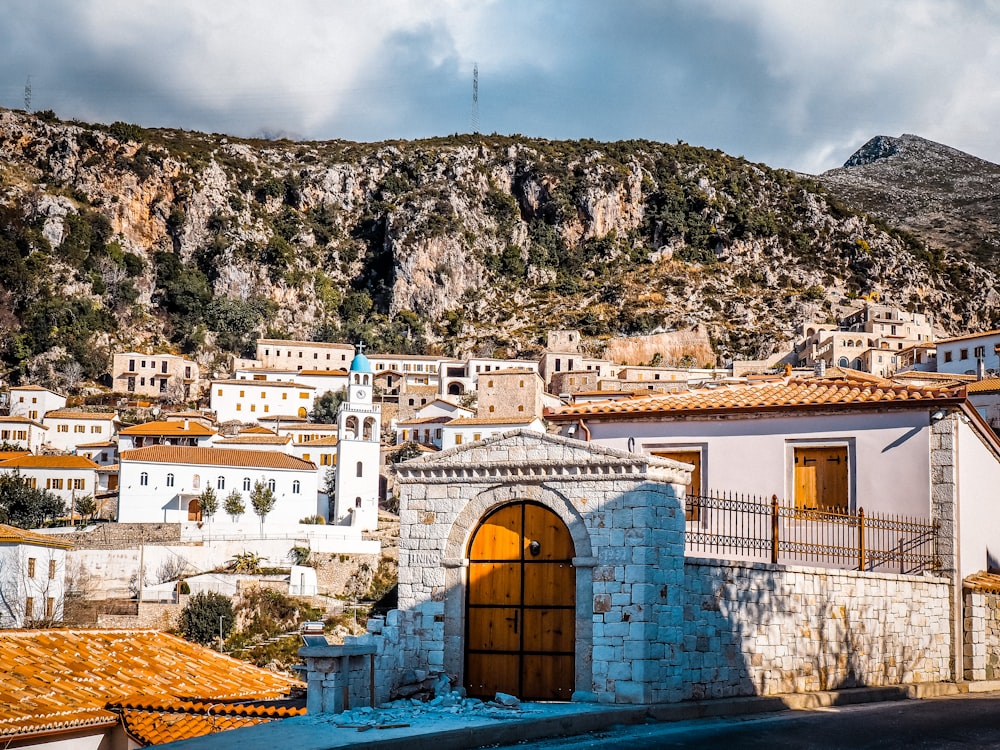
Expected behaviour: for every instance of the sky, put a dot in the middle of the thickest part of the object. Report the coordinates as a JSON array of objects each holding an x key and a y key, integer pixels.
[{"x": 798, "y": 84}]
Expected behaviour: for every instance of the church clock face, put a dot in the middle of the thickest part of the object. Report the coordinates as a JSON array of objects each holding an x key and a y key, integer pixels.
[{"x": 359, "y": 394}]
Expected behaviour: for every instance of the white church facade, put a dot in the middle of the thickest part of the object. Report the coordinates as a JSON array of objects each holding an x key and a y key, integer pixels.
[{"x": 358, "y": 450}]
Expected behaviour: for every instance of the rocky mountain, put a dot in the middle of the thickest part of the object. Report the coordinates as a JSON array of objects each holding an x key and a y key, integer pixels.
[
  {"x": 947, "y": 198},
  {"x": 118, "y": 236}
]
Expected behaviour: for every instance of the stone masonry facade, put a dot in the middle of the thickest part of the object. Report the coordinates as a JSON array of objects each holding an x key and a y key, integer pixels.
[
  {"x": 651, "y": 626},
  {"x": 982, "y": 635}
]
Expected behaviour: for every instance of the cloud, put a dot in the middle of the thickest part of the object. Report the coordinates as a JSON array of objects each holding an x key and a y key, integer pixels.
[{"x": 793, "y": 83}]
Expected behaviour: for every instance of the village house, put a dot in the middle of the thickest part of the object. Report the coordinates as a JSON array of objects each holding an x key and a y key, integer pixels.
[
  {"x": 972, "y": 354},
  {"x": 32, "y": 578},
  {"x": 563, "y": 354},
  {"x": 302, "y": 355},
  {"x": 112, "y": 689},
  {"x": 513, "y": 392},
  {"x": 68, "y": 429},
  {"x": 162, "y": 484},
  {"x": 33, "y": 401},
  {"x": 166, "y": 376},
  {"x": 25, "y": 432},
  {"x": 67, "y": 477},
  {"x": 425, "y": 426},
  {"x": 464, "y": 430},
  {"x": 165, "y": 432},
  {"x": 249, "y": 400}
]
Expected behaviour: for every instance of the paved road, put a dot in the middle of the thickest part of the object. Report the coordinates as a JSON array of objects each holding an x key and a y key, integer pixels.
[{"x": 963, "y": 721}]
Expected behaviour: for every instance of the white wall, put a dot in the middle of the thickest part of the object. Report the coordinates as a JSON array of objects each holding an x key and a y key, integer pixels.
[
  {"x": 978, "y": 503},
  {"x": 16, "y": 585},
  {"x": 94, "y": 430},
  {"x": 888, "y": 453}
]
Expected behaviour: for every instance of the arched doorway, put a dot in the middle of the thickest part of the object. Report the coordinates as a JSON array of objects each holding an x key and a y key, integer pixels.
[
  {"x": 521, "y": 605},
  {"x": 194, "y": 510}
]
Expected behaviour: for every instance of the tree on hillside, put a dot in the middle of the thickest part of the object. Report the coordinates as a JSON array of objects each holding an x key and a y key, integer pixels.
[
  {"x": 86, "y": 506},
  {"x": 24, "y": 506},
  {"x": 325, "y": 407},
  {"x": 207, "y": 616},
  {"x": 234, "y": 505},
  {"x": 262, "y": 500},
  {"x": 209, "y": 503}
]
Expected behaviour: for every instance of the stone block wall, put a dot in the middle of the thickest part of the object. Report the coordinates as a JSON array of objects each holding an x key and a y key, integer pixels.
[
  {"x": 761, "y": 629},
  {"x": 982, "y": 636}
]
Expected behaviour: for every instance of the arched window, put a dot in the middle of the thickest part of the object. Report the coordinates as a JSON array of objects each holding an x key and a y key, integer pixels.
[
  {"x": 357, "y": 502},
  {"x": 492, "y": 408},
  {"x": 351, "y": 427},
  {"x": 296, "y": 486},
  {"x": 270, "y": 484},
  {"x": 221, "y": 483},
  {"x": 366, "y": 380},
  {"x": 361, "y": 468},
  {"x": 196, "y": 481},
  {"x": 246, "y": 484},
  {"x": 170, "y": 480},
  {"x": 357, "y": 379},
  {"x": 370, "y": 429},
  {"x": 144, "y": 479},
  {"x": 842, "y": 362}
]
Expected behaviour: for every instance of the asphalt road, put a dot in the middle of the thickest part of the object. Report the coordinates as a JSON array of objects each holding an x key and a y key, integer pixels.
[{"x": 962, "y": 721}]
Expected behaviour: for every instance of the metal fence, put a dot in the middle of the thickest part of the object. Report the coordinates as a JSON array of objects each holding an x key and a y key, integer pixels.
[{"x": 750, "y": 528}]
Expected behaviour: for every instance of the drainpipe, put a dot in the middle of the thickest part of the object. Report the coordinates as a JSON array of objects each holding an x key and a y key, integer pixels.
[{"x": 584, "y": 430}]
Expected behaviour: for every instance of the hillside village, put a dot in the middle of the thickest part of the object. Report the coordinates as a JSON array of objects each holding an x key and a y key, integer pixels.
[{"x": 586, "y": 509}]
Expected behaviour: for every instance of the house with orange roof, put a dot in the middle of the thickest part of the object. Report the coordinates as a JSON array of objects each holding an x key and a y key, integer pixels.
[
  {"x": 248, "y": 400},
  {"x": 33, "y": 401},
  {"x": 844, "y": 444},
  {"x": 162, "y": 483},
  {"x": 165, "y": 432},
  {"x": 126, "y": 689},
  {"x": 66, "y": 477},
  {"x": 971, "y": 354},
  {"x": 23, "y": 431},
  {"x": 32, "y": 577},
  {"x": 463, "y": 430},
  {"x": 68, "y": 428}
]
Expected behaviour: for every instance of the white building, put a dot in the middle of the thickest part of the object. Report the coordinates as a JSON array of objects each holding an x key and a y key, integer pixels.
[
  {"x": 68, "y": 429},
  {"x": 32, "y": 577},
  {"x": 66, "y": 477},
  {"x": 33, "y": 401},
  {"x": 962, "y": 355},
  {"x": 358, "y": 451},
  {"x": 23, "y": 431},
  {"x": 161, "y": 484},
  {"x": 468, "y": 429},
  {"x": 249, "y": 400},
  {"x": 165, "y": 432},
  {"x": 303, "y": 355}
]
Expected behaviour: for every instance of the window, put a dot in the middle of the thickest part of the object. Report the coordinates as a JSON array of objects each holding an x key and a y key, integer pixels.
[
  {"x": 963, "y": 353},
  {"x": 78, "y": 484},
  {"x": 270, "y": 484},
  {"x": 98, "y": 429},
  {"x": 303, "y": 394},
  {"x": 52, "y": 569},
  {"x": 821, "y": 477},
  {"x": 131, "y": 365},
  {"x": 170, "y": 480},
  {"x": 31, "y": 567},
  {"x": 357, "y": 502},
  {"x": 688, "y": 456},
  {"x": 253, "y": 407},
  {"x": 458, "y": 438},
  {"x": 947, "y": 356},
  {"x": 263, "y": 394},
  {"x": 220, "y": 392},
  {"x": 324, "y": 459},
  {"x": 284, "y": 396},
  {"x": 79, "y": 428},
  {"x": 163, "y": 366},
  {"x": 54, "y": 484},
  {"x": 361, "y": 468},
  {"x": 305, "y": 457},
  {"x": 489, "y": 383},
  {"x": 142, "y": 381},
  {"x": 246, "y": 484},
  {"x": 239, "y": 407},
  {"x": 296, "y": 486},
  {"x": 144, "y": 479},
  {"x": 50, "y": 607},
  {"x": 241, "y": 394},
  {"x": 477, "y": 436},
  {"x": 62, "y": 428},
  {"x": 520, "y": 407},
  {"x": 29, "y": 608},
  {"x": 220, "y": 483},
  {"x": 196, "y": 482},
  {"x": 980, "y": 351}
]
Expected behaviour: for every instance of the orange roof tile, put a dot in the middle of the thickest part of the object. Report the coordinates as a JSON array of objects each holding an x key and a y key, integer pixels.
[
  {"x": 70, "y": 414},
  {"x": 14, "y": 535},
  {"x": 983, "y": 581},
  {"x": 257, "y": 430},
  {"x": 329, "y": 440},
  {"x": 245, "y": 439},
  {"x": 30, "y": 388},
  {"x": 472, "y": 421},
  {"x": 49, "y": 462},
  {"x": 968, "y": 336},
  {"x": 439, "y": 419},
  {"x": 330, "y": 373},
  {"x": 987, "y": 385},
  {"x": 264, "y": 383},
  {"x": 237, "y": 457},
  {"x": 8, "y": 455},
  {"x": 23, "y": 420},
  {"x": 161, "y": 721},
  {"x": 162, "y": 427},
  {"x": 63, "y": 679},
  {"x": 310, "y": 426},
  {"x": 793, "y": 393}
]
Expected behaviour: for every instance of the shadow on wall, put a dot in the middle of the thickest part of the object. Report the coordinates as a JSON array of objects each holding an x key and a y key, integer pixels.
[{"x": 757, "y": 629}]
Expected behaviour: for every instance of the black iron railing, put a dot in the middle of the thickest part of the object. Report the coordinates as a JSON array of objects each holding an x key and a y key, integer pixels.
[{"x": 747, "y": 527}]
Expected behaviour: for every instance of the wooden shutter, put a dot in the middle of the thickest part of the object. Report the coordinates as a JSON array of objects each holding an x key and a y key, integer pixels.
[
  {"x": 694, "y": 489},
  {"x": 821, "y": 478}
]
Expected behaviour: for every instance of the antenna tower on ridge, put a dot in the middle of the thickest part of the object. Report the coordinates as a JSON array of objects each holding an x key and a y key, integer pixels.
[
  {"x": 475, "y": 98},
  {"x": 27, "y": 95}
]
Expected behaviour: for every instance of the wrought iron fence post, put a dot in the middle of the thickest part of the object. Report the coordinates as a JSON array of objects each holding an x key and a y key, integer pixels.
[
  {"x": 861, "y": 538},
  {"x": 774, "y": 529}
]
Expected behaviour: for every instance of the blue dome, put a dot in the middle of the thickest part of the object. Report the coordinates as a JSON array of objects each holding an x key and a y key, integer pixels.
[{"x": 360, "y": 363}]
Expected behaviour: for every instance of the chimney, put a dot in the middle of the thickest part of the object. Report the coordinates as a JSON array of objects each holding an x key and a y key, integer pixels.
[
  {"x": 186, "y": 423},
  {"x": 819, "y": 368},
  {"x": 980, "y": 368}
]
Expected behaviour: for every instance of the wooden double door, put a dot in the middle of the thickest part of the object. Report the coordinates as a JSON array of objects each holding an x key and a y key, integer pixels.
[{"x": 521, "y": 606}]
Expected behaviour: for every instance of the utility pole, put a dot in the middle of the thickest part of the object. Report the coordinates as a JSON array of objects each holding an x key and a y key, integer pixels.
[
  {"x": 27, "y": 95},
  {"x": 475, "y": 98}
]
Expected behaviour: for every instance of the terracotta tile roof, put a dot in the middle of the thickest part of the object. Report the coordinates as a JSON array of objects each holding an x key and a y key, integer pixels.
[
  {"x": 288, "y": 343},
  {"x": 473, "y": 421},
  {"x": 257, "y": 430},
  {"x": 440, "y": 419},
  {"x": 236, "y": 457},
  {"x": 329, "y": 440},
  {"x": 49, "y": 462},
  {"x": 330, "y": 373},
  {"x": 103, "y": 444},
  {"x": 968, "y": 336},
  {"x": 245, "y": 439},
  {"x": 23, "y": 420},
  {"x": 793, "y": 393},
  {"x": 162, "y": 427},
  {"x": 264, "y": 383},
  {"x": 14, "y": 535},
  {"x": 30, "y": 388},
  {"x": 983, "y": 581},
  {"x": 943, "y": 377},
  {"x": 156, "y": 722},
  {"x": 987, "y": 385},
  {"x": 310, "y": 427},
  {"x": 62, "y": 679},
  {"x": 8, "y": 455},
  {"x": 70, "y": 414}
]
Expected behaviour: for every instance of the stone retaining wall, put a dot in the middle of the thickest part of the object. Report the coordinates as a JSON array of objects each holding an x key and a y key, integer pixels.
[
  {"x": 761, "y": 629},
  {"x": 982, "y": 636}
]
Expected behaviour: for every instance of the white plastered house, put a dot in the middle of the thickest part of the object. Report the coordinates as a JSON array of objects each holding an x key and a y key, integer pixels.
[
  {"x": 69, "y": 429},
  {"x": 32, "y": 577},
  {"x": 249, "y": 400},
  {"x": 33, "y": 401},
  {"x": 27, "y": 433},
  {"x": 67, "y": 477}
]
